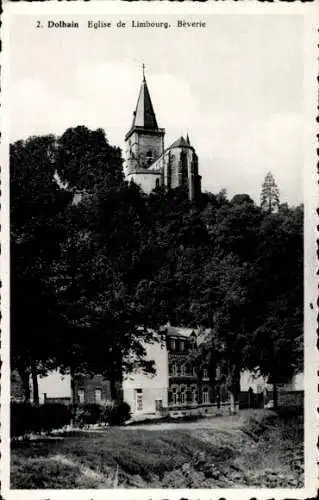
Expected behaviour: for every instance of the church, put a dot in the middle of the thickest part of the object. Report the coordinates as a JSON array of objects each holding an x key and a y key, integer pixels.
[{"x": 146, "y": 160}]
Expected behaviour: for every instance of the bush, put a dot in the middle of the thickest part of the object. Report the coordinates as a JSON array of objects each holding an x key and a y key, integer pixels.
[
  {"x": 88, "y": 414},
  {"x": 21, "y": 418},
  {"x": 26, "y": 417},
  {"x": 117, "y": 414},
  {"x": 53, "y": 416}
]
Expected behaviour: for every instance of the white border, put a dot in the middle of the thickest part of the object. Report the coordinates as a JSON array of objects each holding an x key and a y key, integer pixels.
[{"x": 311, "y": 18}]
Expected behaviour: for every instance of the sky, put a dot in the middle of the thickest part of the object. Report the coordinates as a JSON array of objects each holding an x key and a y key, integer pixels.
[{"x": 236, "y": 87}]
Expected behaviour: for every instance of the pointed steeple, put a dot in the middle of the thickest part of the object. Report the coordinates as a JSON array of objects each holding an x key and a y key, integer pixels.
[
  {"x": 144, "y": 115},
  {"x": 187, "y": 139}
]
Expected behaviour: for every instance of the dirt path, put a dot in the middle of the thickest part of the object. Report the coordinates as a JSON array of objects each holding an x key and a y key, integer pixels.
[{"x": 228, "y": 423}]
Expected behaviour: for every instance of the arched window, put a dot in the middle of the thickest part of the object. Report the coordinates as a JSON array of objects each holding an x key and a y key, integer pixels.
[{"x": 157, "y": 183}]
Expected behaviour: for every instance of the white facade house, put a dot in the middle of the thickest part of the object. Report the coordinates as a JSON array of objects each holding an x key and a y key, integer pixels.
[{"x": 147, "y": 394}]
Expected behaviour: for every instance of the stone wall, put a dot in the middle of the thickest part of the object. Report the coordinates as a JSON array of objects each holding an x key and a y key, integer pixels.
[
  {"x": 146, "y": 179},
  {"x": 203, "y": 410}
]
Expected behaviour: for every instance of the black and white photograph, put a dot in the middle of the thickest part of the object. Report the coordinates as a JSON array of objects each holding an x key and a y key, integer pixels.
[{"x": 159, "y": 197}]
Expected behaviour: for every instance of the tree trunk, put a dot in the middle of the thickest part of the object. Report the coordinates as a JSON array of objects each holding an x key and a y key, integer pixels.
[
  {"x": 275, "y": 393},
  {"x": 232, "y": 403},
  {"x": 25, "y": 377},
  {"x": 35, "y": 386},
  {"x": 116, "y": 378},
  {"x": 73, "y": 395},
  {"x": 113, "y": 388}
]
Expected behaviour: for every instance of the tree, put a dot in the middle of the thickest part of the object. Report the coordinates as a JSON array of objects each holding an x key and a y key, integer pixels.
[
  {"x": 104, "y": 286},
  {"x": 277, "y": 342},
  {"x": 269, "y": 198},
  {"x": 37, "y": 228},
  {"x": 86, "y": 162}
]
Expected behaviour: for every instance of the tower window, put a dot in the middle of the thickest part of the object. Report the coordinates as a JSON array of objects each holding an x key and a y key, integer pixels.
[{"x": 149, "y": 156}]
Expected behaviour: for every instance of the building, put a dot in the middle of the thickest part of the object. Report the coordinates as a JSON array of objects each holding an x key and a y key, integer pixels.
[
  {"x": 148, "y": 163},
  {"x": 177, "y": 386}
]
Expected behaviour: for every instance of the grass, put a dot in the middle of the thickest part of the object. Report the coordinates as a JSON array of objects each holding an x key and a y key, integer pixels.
[{"x": 194, "y": 457}]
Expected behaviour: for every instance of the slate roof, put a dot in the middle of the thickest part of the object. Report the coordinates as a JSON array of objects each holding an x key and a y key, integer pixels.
[
  {"x": 144, "y": 115},
  {"x": 181, "y": 143}
]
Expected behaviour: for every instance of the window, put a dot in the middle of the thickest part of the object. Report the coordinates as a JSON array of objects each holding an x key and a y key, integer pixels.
[
  {"x": 158, "y": 405},
  {"x": 81, "y": 395},
  {"x": 172, "y": 344},
  {"x": 157, "y": 183},
  {"x": 175, "y": 398},
  {"x": 194, "y": 394},
  {"x": 183, "y": 370},
  {"x": 98, "y": 395},
  {"x": 173, "y": 369},
  {"x": 205, "y": 395},
  {"x": 182, "y": 345},
  {"x": 170, "y": 369},
  {"x": 139, "y": 399},
  {"x": 194, "y": 372},
  {"x": 149, "y": 156},
  {"x": 218, "y": 373},
  {"x": 205, "y": 373},
  {"x": 182, "y": 395}
]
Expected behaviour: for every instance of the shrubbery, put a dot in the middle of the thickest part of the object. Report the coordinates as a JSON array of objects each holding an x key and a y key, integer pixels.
[
  {"x": 88, "y": 414},
  {"x": 112, "y": 414},
  {"x": 117, "y": 414},
  {"x": 26, "y": 417}
]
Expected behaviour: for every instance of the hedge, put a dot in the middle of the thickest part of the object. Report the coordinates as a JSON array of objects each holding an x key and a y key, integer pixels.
[{"x": 26, "y": 418}]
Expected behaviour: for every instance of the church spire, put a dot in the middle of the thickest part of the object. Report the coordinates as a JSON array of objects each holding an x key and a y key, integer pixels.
[
  {"x": 144, "y": 115},
  {"x": 187, "y": 139}
]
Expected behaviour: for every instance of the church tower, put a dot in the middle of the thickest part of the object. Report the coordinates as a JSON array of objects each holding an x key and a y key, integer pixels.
[
  {"x": 144, "y": 143},
  {"x": 147, "y": 163}
]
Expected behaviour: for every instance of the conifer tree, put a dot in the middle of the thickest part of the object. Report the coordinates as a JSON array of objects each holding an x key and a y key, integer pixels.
[{"x": 269, "y": 199}]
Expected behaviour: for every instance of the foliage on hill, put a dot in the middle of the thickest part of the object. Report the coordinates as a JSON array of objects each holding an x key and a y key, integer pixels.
[{"x": 92, "y": 272}]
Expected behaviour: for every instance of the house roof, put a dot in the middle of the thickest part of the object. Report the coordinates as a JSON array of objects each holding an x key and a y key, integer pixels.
[
  {"x": 176, "y": 331},
  {"x": 144, "y": 115}
]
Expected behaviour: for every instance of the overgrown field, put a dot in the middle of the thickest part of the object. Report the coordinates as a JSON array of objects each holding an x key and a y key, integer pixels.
[{"x": 264, "y": 451}]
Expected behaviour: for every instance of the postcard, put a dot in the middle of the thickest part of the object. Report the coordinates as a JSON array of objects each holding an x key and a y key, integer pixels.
[{"x": 159, "y": 298}]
